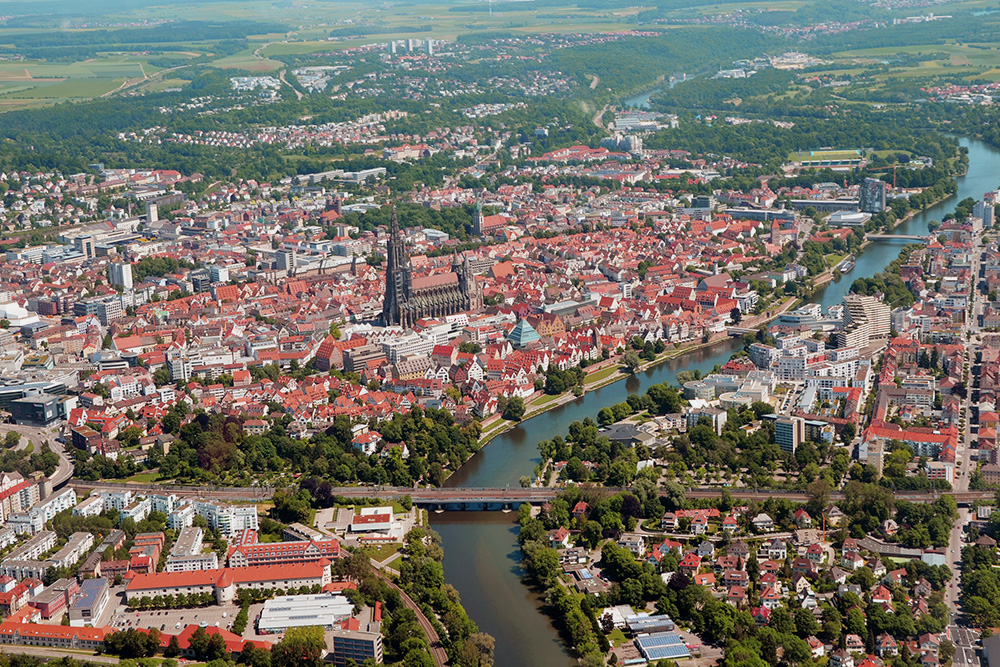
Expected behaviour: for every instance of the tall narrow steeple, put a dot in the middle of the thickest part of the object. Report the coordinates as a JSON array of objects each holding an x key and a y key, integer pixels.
[{"x": 477, "y": 218}]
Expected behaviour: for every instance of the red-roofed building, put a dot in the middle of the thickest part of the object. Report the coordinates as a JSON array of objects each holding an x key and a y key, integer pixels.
[
  {"x": 55, "y": 636},
  {"x": 283, "y": 553},
  {"x": 223, "y": 583}
]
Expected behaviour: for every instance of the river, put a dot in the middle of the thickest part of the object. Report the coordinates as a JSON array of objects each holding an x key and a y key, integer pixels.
[{"x": 481, "y": 552}]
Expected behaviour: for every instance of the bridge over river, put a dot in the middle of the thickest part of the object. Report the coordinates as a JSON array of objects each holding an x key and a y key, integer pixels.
[{"x": 895, "y": 237}]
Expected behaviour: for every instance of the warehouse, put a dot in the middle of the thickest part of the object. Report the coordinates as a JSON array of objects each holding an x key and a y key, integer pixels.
[{"x": 294, "y": 611}]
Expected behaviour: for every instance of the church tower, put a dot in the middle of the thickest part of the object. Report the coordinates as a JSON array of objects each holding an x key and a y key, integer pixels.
[
  {"x": 477, "y": 218},
  {"x": 397, "y": 275}
]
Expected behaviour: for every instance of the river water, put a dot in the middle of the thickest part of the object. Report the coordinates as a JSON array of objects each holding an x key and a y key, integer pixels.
[{"x": 481, "y": 552}]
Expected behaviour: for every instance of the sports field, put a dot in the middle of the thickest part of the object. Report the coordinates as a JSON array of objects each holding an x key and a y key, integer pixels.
[{"x": 825, "y": 155}]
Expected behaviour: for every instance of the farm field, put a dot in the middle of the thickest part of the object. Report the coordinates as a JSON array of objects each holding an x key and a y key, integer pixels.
[
  {"x": 34, "y": 83},
  {"x": 971, "y": 61}
]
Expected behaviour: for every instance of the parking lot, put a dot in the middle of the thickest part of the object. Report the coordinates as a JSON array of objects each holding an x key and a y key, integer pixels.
[{"x": 172, "y": 621}]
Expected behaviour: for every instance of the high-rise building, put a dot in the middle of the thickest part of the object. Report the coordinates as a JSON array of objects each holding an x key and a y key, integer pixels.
[
  {"x": 85, "y": 244},
  {"x": 789, "y": 433},
  {"x": 121, "y": 274},
  {"x": 408, "y": 299},
  {"x": 152, "y": 212},
  {"x": 284, "y": 260},
  {"x": 985, "y": 212},
  {"x": 430, "y": 46},
  {"x": 872, "y": 196},
  {"x": 392, "y": 48},
  {"x": 865, "y": 317}
]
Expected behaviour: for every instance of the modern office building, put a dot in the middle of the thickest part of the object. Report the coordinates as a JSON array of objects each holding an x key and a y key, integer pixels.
[
  {"x": 35, "y": 410},
  {"x": 121, "y": 274},
  {"x": 86, "y": 607},
  {"x": 356, "y": 645},
  {"x": 872, "y": 196},
  {"x": 789, "y": 433},
  {"x": 284, "y": 260}
]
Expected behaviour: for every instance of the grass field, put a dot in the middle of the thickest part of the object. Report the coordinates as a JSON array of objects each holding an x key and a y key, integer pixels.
[
  {"x": 382, "y": 551},
  {"x": 766, "y": 5},
  {"x": 247, "y": 61},
  {"x": 825, "y": 155},
  {"x": 834, "y": 260},
  {"x": 67, "y": 90},
  {"x": 602, "y": 374},
  {"x": 144, "y": 478}
]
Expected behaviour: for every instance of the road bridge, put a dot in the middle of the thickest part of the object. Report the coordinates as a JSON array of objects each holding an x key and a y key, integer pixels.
[{"x": 895, "y": 237}]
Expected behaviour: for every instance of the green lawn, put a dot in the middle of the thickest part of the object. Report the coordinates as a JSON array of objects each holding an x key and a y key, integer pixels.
[
  {"x": 824, "y": 155},
  {"x": 145, "y": 477},
  {"x": 544, "y": 399},
  {"x": 380, "y": 552},
  {"x": 602, "y": 374},
  {"x": 833, "y": 260}
]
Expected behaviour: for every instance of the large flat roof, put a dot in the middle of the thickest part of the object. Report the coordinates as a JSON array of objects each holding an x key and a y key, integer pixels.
[{"x": 292, "y": 611}]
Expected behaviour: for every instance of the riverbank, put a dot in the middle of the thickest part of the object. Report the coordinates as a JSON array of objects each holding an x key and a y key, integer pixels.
[
  {"x": 482, "y": 554},
  {"x": 611, "y": 371}
]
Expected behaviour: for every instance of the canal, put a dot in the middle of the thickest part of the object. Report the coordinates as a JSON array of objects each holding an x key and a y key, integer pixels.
[{"x": 481, "y": 551}]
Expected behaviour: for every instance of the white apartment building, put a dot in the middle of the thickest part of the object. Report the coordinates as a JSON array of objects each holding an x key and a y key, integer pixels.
[
  {"x": 138, "y": 510},
  {"x": 117, "y": 500},
  {"x": 57, "y": 502},
  {"x": 228, "y": 519},
  {"x": 181, "y": 517},
  {"x": 91, "y": 506}
]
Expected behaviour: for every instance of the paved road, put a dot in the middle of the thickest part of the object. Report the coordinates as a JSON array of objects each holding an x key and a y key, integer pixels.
[
  {"x": 39, "y": 436},
  {"x": 965, "y": 639}
]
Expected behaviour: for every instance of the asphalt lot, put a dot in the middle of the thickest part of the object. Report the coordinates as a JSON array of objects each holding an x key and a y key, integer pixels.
[{"x": 168, "y": 620}]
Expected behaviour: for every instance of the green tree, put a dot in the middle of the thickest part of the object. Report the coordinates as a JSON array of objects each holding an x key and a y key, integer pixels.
[
  {"x": 631, "y": 361},
  {"x": 301, "y": 647},
  {"x": 515, "y": 409}
]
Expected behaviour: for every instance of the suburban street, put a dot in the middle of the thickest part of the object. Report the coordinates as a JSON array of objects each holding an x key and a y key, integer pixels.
[{"x": 965, "y": 639}]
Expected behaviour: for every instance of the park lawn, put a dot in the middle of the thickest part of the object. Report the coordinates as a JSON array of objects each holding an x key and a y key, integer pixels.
[
  {"x": 833, "y": 260},
  {"x": 601, "y": 375},
  {"x": 381, "y": 552},
  {"x": 145, "y": 477},
  {"x": 545, "y": 399}
]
